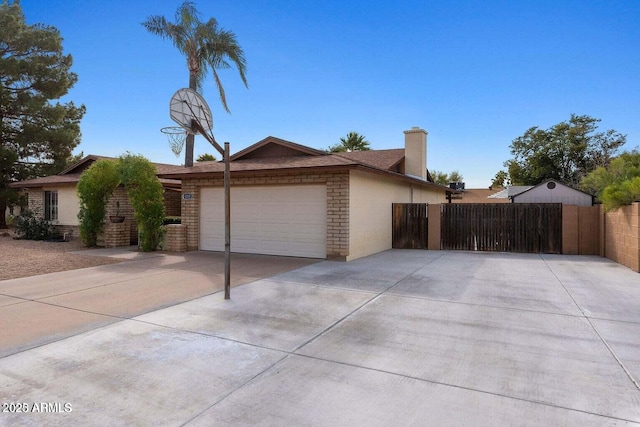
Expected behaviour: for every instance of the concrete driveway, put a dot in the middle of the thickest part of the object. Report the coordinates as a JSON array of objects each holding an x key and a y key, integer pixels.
[{"x": 399, "y": 338}]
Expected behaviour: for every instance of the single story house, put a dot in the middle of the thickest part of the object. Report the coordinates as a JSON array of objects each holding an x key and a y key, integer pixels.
[
  {"x": 292, "y": 200},
  {"x": 549, "y": 191},
  {"x": 56, "y": 199},
  {"x": 552, "y": 191}
]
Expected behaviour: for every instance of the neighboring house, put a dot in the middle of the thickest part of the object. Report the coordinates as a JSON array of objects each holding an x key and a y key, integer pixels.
[
  {"x": 550, "y": 191},
  {"x": 505, "y": 195},
  {"x": 477, "y": 195},
  {"x": 55, "y": 198},
  {"x": 289, "y": 199}
]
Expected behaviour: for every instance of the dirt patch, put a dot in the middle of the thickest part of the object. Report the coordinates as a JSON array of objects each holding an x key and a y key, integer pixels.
[{"x": 23, "y": 258}]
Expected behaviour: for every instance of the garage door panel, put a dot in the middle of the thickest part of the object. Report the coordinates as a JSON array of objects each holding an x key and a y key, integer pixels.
[{"x": 277, "y": 220}]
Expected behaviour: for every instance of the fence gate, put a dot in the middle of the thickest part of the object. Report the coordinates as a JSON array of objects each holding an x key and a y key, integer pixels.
[
  {"x": 515, "y": 227},
  {"x": 410, "y": 226}
]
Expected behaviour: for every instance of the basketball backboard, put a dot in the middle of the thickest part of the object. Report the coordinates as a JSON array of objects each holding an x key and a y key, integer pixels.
[{"x": 187, "y": 105}]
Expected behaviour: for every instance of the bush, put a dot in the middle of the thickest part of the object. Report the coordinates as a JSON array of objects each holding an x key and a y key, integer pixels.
[
  {"x": 146, "y": 195},
  {"x": 31, "y": 226},
  {"x": 94, "y": 189},
  {"x": 172, "y": 220}
]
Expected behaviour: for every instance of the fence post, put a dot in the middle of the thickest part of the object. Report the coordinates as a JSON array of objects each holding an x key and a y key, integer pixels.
[{"x": 434, "y": 226}]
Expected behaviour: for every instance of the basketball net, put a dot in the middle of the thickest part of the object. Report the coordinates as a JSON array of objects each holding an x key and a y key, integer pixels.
[{"x": 176, "y": 136}]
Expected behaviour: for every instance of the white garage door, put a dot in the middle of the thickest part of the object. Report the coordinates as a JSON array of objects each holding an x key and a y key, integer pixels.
[{"x": 274, "y": 220}]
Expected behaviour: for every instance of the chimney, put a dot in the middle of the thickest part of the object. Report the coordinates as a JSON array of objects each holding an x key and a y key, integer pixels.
[{"x": 415, "y": 152}]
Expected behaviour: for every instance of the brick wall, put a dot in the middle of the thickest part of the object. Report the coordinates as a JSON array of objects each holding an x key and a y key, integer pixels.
[
  {"x": 337, "y": 204},
  {"x": 175, "y": 238},
  {"x": 622, "y": 236},
  {"x": 116, "y": 235},
  {"x": 120, "y": 195},
  {"x": 171, "y": 203},
  {"x": 36, "y": 201}
]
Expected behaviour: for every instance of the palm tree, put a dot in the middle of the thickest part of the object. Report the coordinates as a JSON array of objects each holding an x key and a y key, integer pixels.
[
  {"x": 205, "y": 46},
  {"x": 353, "y": 142}
]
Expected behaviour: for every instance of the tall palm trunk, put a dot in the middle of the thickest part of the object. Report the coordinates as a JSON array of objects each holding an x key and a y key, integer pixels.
[{"x": 189, "y": 142}]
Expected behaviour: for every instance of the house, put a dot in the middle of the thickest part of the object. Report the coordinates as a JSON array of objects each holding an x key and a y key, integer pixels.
[
  {"x": 55, "y": 197},
  {"x": 477, "y": 195},
  {"x": 550, "y": 191},
  {"x": 506, "y": 194},
  {"x": 289, "y": 199}
]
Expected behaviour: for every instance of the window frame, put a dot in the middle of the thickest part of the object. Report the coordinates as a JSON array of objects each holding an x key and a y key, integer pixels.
[{"x": 51, "y": 205}]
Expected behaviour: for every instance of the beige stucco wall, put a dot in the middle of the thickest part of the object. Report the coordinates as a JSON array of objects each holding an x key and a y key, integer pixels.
[
  {"x": 370, "y": 214},
  {"x": 68, "y": 205}
]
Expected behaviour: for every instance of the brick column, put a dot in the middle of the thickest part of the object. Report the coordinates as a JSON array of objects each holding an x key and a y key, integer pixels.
[
  {"x": 176, "y": 238},
  {"x": 116, "y": 235}
]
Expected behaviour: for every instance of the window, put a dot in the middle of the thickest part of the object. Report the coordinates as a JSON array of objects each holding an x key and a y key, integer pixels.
[{"x": 51, "y": 205}]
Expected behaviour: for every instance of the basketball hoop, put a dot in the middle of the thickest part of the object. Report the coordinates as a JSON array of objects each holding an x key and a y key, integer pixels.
[{"x": 176, "y": 136}]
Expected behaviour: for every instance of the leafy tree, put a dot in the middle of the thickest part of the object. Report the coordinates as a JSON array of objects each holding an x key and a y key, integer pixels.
[
  {"x": 500, "y": 180},
  {"x": 146, "y": 196},
  {"x": 37, "y": 135},
  {"x": 455, "y": 176},
  {"x": 352, "y": 142},
  {"x": 443, "y": 178},
  {"x": 618, "y": 184},
  {"x": 145, "y": 192},
  {"x": 439, "y": 177},
  {"x": 206, "y": 157},
  {"x": 205, "y": 45},
  {"x": 94, "y": 190},
  {"x": 567, "y": 151}
]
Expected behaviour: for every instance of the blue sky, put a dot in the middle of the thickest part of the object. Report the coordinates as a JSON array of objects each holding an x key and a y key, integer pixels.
[{"x": 475, "y": 75}]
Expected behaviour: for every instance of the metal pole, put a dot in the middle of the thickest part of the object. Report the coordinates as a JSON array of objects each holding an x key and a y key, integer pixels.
[{"x": 227, "y": 224}]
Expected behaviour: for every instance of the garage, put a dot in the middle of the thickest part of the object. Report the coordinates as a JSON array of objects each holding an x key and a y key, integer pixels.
[{"x": 274, "y": 220}]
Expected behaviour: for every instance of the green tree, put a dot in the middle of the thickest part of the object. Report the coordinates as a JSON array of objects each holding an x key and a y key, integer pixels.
[
  {"x": 37, "y": 135},
  {"x": 145, "y": 192},
  {"x": 138, "y": 175},
  {"x": 500, "y": 180},
  {"x": 352, "y": 142},
  {"x": 206, "y": 157},
  {"x": 443, "y": 178},
  {"x": 439, "y": 177},
  {"x": 94, "y": 190},
  {"x": 205, "y": 46},
  {"x": 618, "y": 184},
  {"x": 455, "y": 176},
  {"x": 567, "y": 151}
]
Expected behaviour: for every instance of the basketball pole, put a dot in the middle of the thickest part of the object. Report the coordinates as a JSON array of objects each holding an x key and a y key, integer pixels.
[{"x": 227, "y": 204}]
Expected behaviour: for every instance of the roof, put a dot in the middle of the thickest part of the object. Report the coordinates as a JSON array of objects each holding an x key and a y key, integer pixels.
[
  {"x": 477, "y": 195},
  {"x": 288, "y": 156},
  {"x": 265, "y": 148},
  {"x": 555, "y": 181},
  {"x": 71, "y": 175},
  {"x": 509, "y": 192},
  {"x": 383, "y": 159}
]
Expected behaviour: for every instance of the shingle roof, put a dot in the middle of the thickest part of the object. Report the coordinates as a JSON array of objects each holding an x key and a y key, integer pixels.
[
  {"x": 296, "y": 163},
  {"x": 383, "y": 159},
  {"x": 510, "y": 191},
  {"x": 71, "y": 175}
]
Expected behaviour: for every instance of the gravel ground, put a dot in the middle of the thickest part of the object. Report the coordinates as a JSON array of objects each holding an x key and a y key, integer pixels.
[{"x": 23, "y": 258}]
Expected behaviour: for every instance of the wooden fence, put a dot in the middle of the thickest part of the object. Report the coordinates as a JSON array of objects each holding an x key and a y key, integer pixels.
[
  {"x": 518, "y": 227},
  {"x": 410, "y": 226}
]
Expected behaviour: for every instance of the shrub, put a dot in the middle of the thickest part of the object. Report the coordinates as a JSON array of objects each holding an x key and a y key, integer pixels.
[
  {"x": 31, "y": 226},
  {"x": 146, "y": 195},
  {"x": 172, "y": 220},
  {"x": 94, "y": 189}
]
